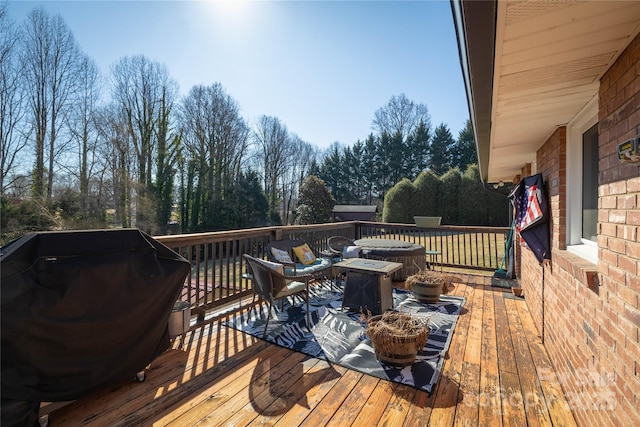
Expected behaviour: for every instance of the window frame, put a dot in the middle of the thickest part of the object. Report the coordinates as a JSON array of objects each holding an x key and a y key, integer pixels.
[{"x": 581, "y": 123}]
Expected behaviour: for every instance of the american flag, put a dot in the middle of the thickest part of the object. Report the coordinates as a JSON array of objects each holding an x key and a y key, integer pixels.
[{"x": 529, "y": 212}]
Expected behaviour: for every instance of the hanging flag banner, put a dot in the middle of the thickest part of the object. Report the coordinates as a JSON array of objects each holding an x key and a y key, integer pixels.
[{"x": 532, "y": 215}]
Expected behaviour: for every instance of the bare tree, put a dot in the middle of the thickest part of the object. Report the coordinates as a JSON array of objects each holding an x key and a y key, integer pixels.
[
  {"x": 83, "y": 130},
  {"x": 303, "y": 155},
  {"x": 215, "y": 137},
  {"x": 145, "y": 95},
  {"x": 113, "y": 148},
  {"x": 400, "y": 116},
  {"x": 274, "y": 151},
  {"x": 51, "y": 57},
  {"x": 12, "y": 138}
]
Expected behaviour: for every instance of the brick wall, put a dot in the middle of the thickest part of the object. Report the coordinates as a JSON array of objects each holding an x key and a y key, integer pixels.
[
  {"x": 551, "y": 159},
  {"x": 589, "y": 315}
]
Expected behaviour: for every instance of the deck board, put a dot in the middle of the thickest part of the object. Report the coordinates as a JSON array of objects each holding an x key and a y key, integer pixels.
[
  {"x": 489, "y": 412},
  {"x": 496, "y": 373}
]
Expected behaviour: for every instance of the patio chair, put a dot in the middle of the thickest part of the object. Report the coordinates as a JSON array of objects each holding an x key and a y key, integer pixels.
[
  {"x": 270, "y": 284},
  {"x": 337, "y": 244}
]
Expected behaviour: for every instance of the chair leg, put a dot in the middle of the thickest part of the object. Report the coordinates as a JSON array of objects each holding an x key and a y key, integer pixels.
[{"x": 264, "y": 333}]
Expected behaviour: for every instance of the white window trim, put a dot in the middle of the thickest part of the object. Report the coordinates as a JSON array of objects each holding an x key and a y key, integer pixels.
[{"x": 582, "y": 122}]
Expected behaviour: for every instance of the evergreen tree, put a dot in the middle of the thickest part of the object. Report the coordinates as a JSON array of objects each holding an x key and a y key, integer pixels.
[
  {"x": 426, "y": 200},
  {"x": 331, "y": 170},
  {"x": 349, "y": 177},
  {"x": 396, "y": 159},
  {"x": 383, "y": 164},
  {"x": 440, "y": 150},
  {"x": 356, "y": 173},
  {"x": 398, "y": 203},
  {"x": 246, "y": 205},
  {"x": 448, "y": 196},
  {"x": 473, "y": 203},
  {"x": 316, "y": 202},
  {"x": 417, "y": 150},
  {"x": 370, "y": 169},
  {"x": 464, "y": 153}
]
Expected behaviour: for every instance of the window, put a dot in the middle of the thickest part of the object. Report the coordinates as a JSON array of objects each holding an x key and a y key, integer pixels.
[
  {"x": 590, "y": 183},
  {"x": 582, "y": 183}
]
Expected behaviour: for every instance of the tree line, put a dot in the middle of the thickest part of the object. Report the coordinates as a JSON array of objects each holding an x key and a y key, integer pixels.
[
  {"x": 82, "y": 150},
  {"x": 363, "y": 172}
]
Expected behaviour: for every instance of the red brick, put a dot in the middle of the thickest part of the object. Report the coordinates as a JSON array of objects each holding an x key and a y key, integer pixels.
[
  {"x": 616, "y": 245},
  {"x": 610, "y": 257},
  {"x": 607, "y": 339},
  {"x": 633, "y": 217},
  {"x": 627, "y": 202},
  {"x": 618, "y": 188},
  {"x": 608, "y": 229},
  {"x": 608, "y": 202},
  {"x": 628, "y": 264},
  {"x": 633, "y": 185},
  {"x": 629, "y": 233},
  {"x": 634, "y": 283},
  {"x": 633, "y": 315},
  {"x": 628, "y": 296}
]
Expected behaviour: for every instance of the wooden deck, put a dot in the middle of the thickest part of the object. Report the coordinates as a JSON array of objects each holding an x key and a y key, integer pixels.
[{"x": 497, "y": 373}]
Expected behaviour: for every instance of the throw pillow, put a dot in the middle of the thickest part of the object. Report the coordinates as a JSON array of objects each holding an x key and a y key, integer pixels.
[
  {"x": 351, "y": 251},
  {"x": 273, "y": 265},
  {"x": 281, "y": 256},
  {"x": 305, "y": 254}
]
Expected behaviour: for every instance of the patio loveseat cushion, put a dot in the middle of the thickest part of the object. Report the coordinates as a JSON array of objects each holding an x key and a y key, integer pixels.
[
  {"x": 318, "y": 266},
  {"x": 321, "y": 267}
]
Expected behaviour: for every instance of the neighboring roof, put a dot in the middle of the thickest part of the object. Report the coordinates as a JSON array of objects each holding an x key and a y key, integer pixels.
[
  {"x": 530, "y": 67},
  {"x": 355, "y": 208}
]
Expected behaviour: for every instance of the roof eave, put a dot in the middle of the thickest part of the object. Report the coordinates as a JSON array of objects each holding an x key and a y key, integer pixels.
[{"x": 475, "y": 25}]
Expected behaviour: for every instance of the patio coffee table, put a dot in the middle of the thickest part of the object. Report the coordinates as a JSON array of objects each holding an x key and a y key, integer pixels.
[{"x": 368, "y": 284}]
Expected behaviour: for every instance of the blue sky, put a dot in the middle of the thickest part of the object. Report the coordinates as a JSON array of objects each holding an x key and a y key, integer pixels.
[{"x": 323, "y": 68}]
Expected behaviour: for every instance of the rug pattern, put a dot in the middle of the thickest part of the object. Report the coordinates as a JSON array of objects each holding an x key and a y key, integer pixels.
[{"x": 337, "y": 335}]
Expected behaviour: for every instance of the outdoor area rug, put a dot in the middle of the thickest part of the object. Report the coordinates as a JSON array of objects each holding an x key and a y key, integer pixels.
[{"x": 338, "y": 336}]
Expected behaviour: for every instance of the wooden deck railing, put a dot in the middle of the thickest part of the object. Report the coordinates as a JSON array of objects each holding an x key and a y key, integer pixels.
[
  {"x": 476, "y": 248},
  {"x": 217, "y": 266}
]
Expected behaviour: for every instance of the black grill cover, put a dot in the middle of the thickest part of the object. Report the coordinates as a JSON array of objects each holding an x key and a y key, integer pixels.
[{"x": 82, "y": 309}]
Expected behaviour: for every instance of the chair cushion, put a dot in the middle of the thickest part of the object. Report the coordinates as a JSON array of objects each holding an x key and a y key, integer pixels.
[
  {"x": 292, "y": 288},
  {"x": 305, "y": 254},
  {"x": 351, "y": 251},
  {"x": 281, "y": 256}
]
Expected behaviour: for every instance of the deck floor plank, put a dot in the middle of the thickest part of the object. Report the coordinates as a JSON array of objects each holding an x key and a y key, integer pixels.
[
  {"x": 556, "y": 404},
  {"x": 232, "y": 398},
  {"x": 533, "y": 398},
  {"x": 375, "y": 406},
  {"x": 447, "y": 389},
  {"x": 356, "y": 400},
  {"x": 323, "y": 413},
  {"x": 317, "y": 390},
  {"x": 297, "y": 394},
  {"x": 221, "y": 376},
  {"x": 195, "y": 378},
  {"x": 183, "y": 406},
  {"x": 266, "y": 394},
  {"x": 398, "y": 406},
  {"x": 467, "y": 409},
  {"x": 489, "y": 403}
]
